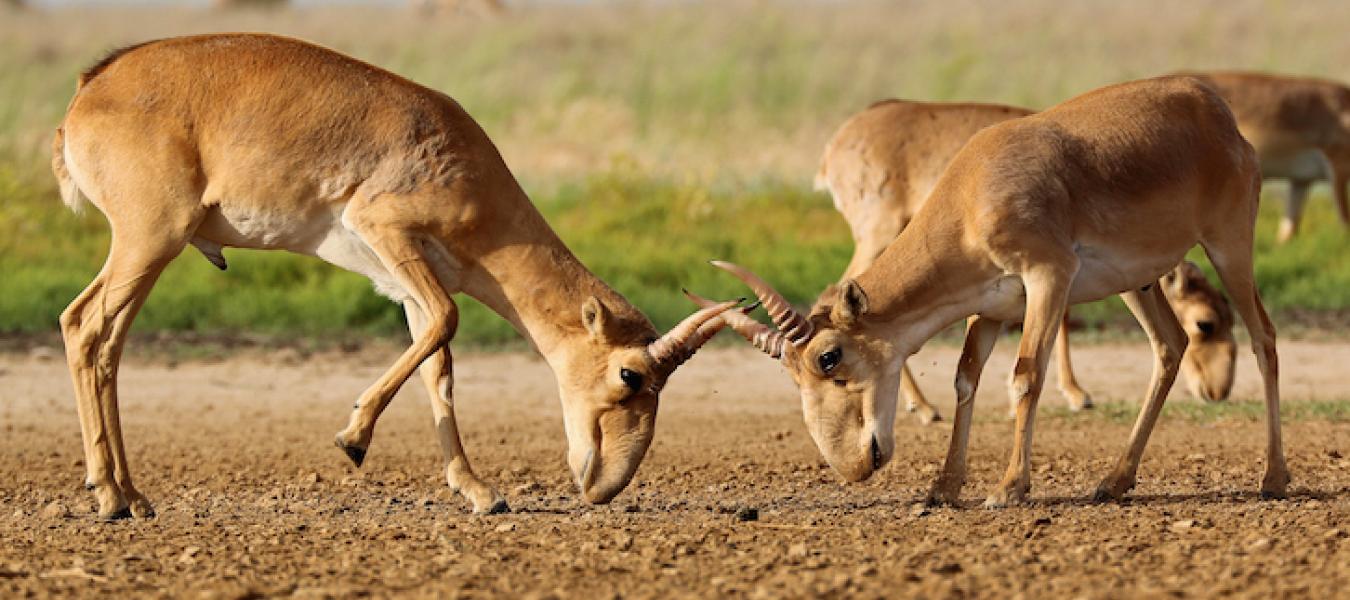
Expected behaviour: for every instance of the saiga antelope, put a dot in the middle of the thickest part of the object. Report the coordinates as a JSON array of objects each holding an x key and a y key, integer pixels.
[
  {"x": 1102, "y": 194},
  {"x": 1300, "y": 127},
  {"x": 258, "y": 141},
  {"x": 880, "y": 167}
]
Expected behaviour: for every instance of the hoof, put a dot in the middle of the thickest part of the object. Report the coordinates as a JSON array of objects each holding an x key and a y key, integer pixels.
[
  {"x": 1103, "y": 496},
  {"x": 1112, "y": 489},
  {"x": 357, "y": 455},
  {"x": 499, "y": 507},
  {"x": 928, "y": 417},
  {"x": 142, "y": 509},
  {"x": 117, "y": 515},
  {"x": 940, "y": 499},
  {"x": 1004, "y": 498},
  {"x": 1274, "y": 485}
]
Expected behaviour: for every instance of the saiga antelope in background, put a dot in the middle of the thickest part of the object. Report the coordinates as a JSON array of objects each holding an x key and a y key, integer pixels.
[
  {"x": 880, "y": 167},
  {"x": 1300, "y": 127},
  {"x": 258, "y": 141},
  {"x": 1099, "y": 195}
]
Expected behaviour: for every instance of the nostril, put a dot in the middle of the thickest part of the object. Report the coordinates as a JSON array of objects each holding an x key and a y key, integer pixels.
[{"x": 876, "y": 454}]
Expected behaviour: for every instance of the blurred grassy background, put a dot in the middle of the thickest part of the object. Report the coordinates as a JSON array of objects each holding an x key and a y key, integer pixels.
[{"x": 653, "y": 136}]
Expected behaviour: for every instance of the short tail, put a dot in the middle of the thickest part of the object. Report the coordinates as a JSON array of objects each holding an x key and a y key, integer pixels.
[
  {"x": 70, "y": 193},
  {"x": 822, "y": 183}
]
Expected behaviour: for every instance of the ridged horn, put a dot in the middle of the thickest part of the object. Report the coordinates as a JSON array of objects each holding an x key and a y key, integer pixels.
[
  {"x": 793, "y": 325},
  {"x": 683, "y": 340},
  {"x": 758, "y": 334}
]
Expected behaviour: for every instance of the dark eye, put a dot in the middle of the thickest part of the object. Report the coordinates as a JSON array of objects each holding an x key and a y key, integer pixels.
[
  {"x": 1206, "y": 327},
  {"x": 829, "y": 360},
  {"x": 631, "y": 379}
]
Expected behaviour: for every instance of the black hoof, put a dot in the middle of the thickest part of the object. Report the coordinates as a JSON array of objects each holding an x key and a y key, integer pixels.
[
  {"x": 125, "y": 513},
  {"x": 358, "y": 455},
  {"x": 498, "y": 508},
  {"x": 1103, "y": 497},
  {"x": 1268, "y": 495}
]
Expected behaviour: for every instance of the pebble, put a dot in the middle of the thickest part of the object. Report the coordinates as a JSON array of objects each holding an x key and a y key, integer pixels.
[
  {"x": 747, "y": 513},
  {"x": 505, "y": 528},
  {"x": 1260, "y": 545},
  {"x": 1182, "y": 525},
  {"x": 55, "y": 510}
]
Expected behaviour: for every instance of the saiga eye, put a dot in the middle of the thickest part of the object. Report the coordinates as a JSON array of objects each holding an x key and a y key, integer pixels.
[
  {"x": 829, "y": 360},
  {"x": 631, "y": 379}
]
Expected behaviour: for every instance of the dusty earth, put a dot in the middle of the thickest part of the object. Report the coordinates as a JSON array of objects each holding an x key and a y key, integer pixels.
[{"x": 732, "y": 499}]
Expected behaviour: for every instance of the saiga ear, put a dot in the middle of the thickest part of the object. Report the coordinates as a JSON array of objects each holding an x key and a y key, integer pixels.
[
  {"x": 852, "y": 304},
  {"x": 595, "y": 316}
]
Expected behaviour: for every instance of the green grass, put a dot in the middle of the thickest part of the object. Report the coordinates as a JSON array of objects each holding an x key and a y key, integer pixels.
[
  {"x": 653, "y": 137},
  {"x": 1194, "y": 411}
]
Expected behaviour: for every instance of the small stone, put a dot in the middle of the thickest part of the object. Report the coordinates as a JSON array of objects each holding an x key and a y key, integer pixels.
[
  {"x": 55, "y": 510},
  {"x": 1260, "y": 545},
  {"x": 505, "y": 528},
  {"x": 747, "y": 513},
  {"x": 797, "y": 551},
  {"x": 1183, "y": 525},
  {"x": 950, "y": 568},
  {"x": 189, "y": 555},
  {"x": 919, "y": 510},
  {"x": 310, "y": 478}
]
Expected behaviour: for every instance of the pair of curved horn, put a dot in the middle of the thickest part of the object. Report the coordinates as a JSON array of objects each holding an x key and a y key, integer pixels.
[
  {"x": 682, "y": 341},
  {"x": 758, "y": 334},
  {"x": 793, "y": 327}
]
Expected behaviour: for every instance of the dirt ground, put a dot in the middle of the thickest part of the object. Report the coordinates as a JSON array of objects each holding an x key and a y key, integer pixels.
[{"x": 253, "y": 499}]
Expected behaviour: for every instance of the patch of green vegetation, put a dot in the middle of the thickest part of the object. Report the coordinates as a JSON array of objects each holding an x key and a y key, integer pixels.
[{"x": 1194, "y": 411}]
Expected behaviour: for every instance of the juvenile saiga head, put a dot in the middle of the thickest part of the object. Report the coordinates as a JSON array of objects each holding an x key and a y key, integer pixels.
[
  {"x": 848, "y": 379},
  {"x": 1208, "y": 320},
  {"x": 610, "y": 385}
]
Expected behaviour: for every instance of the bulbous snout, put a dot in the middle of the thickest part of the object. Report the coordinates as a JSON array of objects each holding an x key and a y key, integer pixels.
[
  {"x": 1209, "y": 368},
  {"x": 858, "y": 460},
  {"x": 603, "y": 462}
]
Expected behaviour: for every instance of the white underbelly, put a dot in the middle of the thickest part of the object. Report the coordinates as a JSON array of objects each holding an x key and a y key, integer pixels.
[
  {"x": 1101, "y": 275},
  {"x": 1306, "y": 165},
  {"x": 322, "y": 234}
]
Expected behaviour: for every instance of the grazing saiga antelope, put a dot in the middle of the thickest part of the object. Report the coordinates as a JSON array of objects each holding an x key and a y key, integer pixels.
[
  {"x": 880, "y": 167},
  {"x": 1300, "y": 127},
  {"x": 1102, "y": 194},
  {"x": 258, "y": 141}
]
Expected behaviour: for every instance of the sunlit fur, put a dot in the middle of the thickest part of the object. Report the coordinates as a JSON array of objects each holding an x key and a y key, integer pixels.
[
  {"x": 1102, "y": 194},
  {"x": 1300, "y": 127},
  {"x": 880, "y": 167},
  {"x": 259, "y": 141}
]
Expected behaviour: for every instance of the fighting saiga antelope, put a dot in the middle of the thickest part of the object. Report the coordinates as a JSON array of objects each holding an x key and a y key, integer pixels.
[
  {"x": 258, "y": 141},
  {"x": 1100, "y": 195},
  {"x": 1300, "y": 127},
  {"x": 880, "y": 167}
]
